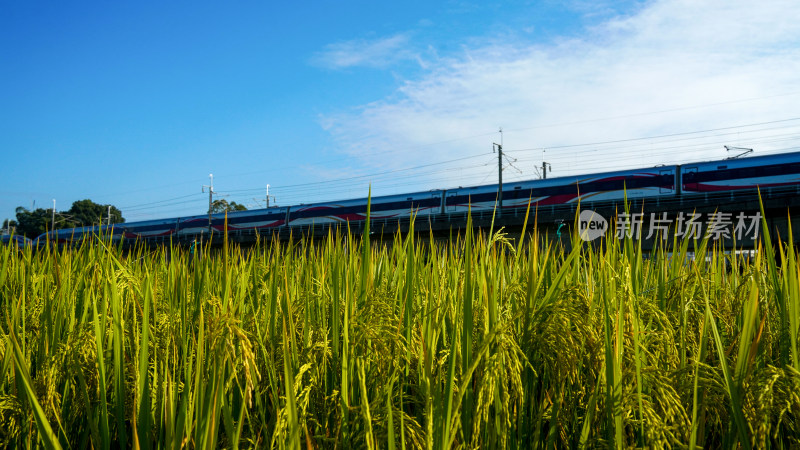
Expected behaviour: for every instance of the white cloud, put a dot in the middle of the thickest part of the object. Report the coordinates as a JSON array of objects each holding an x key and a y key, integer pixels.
[
  {"x": 377, "y": 53},
  {"x": 674, "y": 66}
]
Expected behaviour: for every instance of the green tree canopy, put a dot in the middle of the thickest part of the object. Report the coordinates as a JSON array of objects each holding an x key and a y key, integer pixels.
[
  {"x": 86, "y": 213},
  {"x": 33, "y": 223},
  {"x": 83, "y": 213},
  {"x": 222, "y": 205}
]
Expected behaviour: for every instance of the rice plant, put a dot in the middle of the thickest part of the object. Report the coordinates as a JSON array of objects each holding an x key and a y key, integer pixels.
[{"x": 476, "y": 342}]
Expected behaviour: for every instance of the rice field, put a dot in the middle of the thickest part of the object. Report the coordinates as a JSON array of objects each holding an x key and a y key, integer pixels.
[{"x": 479, "y": 342}]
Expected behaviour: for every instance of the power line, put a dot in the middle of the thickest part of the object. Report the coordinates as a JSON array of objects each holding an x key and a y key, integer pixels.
[
  {"x": 627, "y": 116},
  {"x": 625, "y": 151},
  {"x": 160, "y": 201},
  {"x": 619, "y": 154},
  {"x": 368, "y": 175},
  {"x": 619, "y": 141}
]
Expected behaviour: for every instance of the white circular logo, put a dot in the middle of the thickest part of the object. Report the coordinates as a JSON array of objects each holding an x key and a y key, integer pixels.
[{"x": 591, "y": 225}]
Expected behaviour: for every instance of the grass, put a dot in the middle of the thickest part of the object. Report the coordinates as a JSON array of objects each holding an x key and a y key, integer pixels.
[{"x": 478, "y": 342}]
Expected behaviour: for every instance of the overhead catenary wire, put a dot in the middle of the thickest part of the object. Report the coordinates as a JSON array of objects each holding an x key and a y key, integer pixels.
[
  {"x": 568, "y": 158},
  {"x": 301, "y": 195},
  {"x": 671, "y": 135}
]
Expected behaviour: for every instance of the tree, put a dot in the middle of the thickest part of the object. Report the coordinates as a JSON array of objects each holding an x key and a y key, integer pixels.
[
  {"x": 222, "y": 205},
  {"x": 86, "y": 213},
  {"x": 83, "y": 213},
  {"x": 33, "y": 223}
]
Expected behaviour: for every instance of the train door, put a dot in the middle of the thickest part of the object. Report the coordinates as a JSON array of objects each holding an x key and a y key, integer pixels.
[
  {"x": 689, "y": 175},
  {"x": 667, "y": 187},
  {"x": 451, "y": 201},
  {"x": 436, "y": 199}
]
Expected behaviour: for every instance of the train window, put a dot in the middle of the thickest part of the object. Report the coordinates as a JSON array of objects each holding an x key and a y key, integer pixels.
[{"x": 517, "y": 187}]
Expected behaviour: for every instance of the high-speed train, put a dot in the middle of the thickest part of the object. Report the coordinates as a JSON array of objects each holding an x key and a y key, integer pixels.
[{"x": 660, "y": 181}]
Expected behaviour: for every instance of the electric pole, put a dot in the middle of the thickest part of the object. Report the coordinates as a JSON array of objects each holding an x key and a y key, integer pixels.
[
  {"x": 499, "y": 173},
  {"x": 109, "y": 216},
  {"x": 267, "y": 196},
  {"x": 53, "y": 223},
  {"x": 210, "y": 200},
  {"x": 545, "y": 165}
]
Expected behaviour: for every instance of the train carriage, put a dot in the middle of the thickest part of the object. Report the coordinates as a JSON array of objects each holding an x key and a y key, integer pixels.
[
  {"x": 250, "y": 220},
  {"x": 384, "y": 207},
  {"x": 192, "y": 225},
  {"x": 771, "y": 171},
  {"x": 744, "y": 173},
  {"x": 15, "y": 240},
  {"x": 65, "y": 235},
  {"x": 255, "y": 219},
  {"x": 653, "y": 182},
  {"x": 148, "y": 229}
]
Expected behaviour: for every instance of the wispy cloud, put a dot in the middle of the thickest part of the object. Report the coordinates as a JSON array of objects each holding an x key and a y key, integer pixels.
[
  {"x": 673, "y": 66},
  {"x": 377, "y": 53}
]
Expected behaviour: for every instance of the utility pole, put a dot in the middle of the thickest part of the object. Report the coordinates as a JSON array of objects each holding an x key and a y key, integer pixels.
[
  {"x": 108, "y": 223},
  {"x": 53, "y": 223},
  {"x": 267, "y": 196},
  {"x": 545, "y": 165},
  {"x": 210, "y": 199},
  {"x": 499, "y": 173}
]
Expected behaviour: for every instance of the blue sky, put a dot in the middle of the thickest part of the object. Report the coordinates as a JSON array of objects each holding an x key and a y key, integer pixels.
[{"x": 134, "y": 104}]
